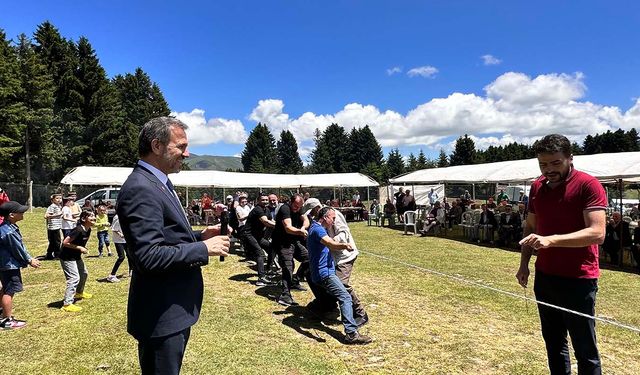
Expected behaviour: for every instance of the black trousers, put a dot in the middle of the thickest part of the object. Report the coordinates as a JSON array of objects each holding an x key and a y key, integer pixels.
[
  {"x": 55, "y": 243},
  {"x": 286, "y": 255},
  {"x": 252, "y": 246},
  {"x": 574, "y": 294},
  {"x": 163, "y": 355},
  {"x": 121, "y": 255}
]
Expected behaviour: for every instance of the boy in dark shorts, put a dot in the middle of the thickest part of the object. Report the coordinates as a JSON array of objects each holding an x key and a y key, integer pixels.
[
  {"x": 13, "y": 256},
  {"x": 73, "y": 246}
]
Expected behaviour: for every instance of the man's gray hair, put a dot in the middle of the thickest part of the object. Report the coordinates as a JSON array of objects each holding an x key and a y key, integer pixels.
[
  {"x": 323, "y": 212},
  {"x": 157, "y": 128}
]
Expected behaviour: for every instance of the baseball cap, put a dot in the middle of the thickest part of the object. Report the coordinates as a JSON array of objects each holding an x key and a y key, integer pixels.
[
  {"x": 12, "y": 207},
  {"x": 310, "y": 204},
  {"x": 229, "y": 197}
]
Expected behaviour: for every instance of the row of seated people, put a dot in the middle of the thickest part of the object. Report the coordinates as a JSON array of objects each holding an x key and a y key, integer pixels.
[{"x": 619, "y": 237}]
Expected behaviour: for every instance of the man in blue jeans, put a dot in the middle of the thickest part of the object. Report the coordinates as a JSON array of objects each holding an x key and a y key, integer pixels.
[{"x": 323, "y": 272}]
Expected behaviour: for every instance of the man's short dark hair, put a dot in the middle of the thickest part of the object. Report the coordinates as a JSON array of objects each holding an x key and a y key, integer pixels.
[
  {"x": 84, "y": 214},
  {"x": 157, "y": 128},
  {"x": 323, "y": 212},
  {"x": 296, "y": 196},
  {"x": 552, "y": 143}
]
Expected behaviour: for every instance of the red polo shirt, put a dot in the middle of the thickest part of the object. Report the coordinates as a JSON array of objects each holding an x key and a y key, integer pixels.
[{"x": 560, "y": 211}]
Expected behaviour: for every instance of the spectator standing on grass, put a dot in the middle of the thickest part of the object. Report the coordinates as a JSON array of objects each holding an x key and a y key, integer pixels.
[
  {"x": 323, "y": 272},
  {"x": 13, "y": 256},
  {"x": 399, "y": 197},
  {"x": 68, "y": 221},
  {"x": 433, "y": 196},
  {"x": 102, "y": 230},
  {"x": 166, "y": 254},
  {"x": 120, "y": 243},
  {"x": 565, "y": 224},
  {"x": 75, "y": 271},
  {"x": 408, "y": 202},
  {"x": 87, "y": 206},
  {"x": 53, "y": 215}
]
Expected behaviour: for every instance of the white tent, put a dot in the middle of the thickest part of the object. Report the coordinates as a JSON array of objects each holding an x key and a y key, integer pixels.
[
  {"x": 87, "y": 175},
  {"x": 605, "y": 167}
]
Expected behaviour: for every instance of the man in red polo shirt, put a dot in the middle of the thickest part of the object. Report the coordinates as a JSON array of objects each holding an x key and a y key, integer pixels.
[{"x": 565, "y": 224}]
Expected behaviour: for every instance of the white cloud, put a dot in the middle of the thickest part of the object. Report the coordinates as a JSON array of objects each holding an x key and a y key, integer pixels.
[
  {"x": 490, "y": 60},
  {"x": 394, "y": 70},
  {"x": 426, "y": 71},
  {"x": 215, "y": 130},
  {"x": 514, "y": 108}
]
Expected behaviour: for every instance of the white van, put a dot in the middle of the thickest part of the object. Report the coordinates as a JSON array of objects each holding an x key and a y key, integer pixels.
[{"x": 105, "y": 195}]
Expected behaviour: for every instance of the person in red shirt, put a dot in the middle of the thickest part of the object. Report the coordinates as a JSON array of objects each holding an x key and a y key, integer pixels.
[
  {"x": 4, "y": 198},
  {"x": 565, "y": 224}
]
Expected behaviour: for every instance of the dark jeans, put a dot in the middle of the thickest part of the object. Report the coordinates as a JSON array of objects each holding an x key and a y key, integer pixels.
[
  {"x": 252, "y": 246},
  {"x": 163, "y": 355},
  {"x": 334, "y": 287},
  {"x": 574, "y": 294},
  {"x": 55, "y": 243},
  {"x": 286, "y": 255},
  {"x": 121, "y": 256}
]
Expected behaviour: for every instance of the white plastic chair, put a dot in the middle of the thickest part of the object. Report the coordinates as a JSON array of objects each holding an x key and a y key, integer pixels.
[{"x": 410, "y": 221}]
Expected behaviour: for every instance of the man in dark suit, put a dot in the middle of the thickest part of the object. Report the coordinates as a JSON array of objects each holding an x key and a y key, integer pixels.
[
  {"x": 509, "y": 226},
  {"x": 165, "y": 295},
  {"x": 617, "y": 233}
]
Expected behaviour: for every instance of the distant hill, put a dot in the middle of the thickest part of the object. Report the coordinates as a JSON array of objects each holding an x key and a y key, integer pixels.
[{"x": 216, "y": 163}]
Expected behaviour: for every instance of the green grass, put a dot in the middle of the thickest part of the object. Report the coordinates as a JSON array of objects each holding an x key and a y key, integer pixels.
[{"x": 421, "y": 323}]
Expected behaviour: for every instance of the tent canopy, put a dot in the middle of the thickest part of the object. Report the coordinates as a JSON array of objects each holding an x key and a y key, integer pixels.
[
  {"x": 87, "y": 175},
  {"x": 605, "y": 167}
]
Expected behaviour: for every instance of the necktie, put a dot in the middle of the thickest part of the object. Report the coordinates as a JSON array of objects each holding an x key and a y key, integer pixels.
[{"x": 173, "y": 191}]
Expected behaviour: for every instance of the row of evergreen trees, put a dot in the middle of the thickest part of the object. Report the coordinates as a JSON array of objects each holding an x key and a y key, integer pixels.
[
  {"x": 337, "y": 151},
  {"x": 59, "y": 109}
]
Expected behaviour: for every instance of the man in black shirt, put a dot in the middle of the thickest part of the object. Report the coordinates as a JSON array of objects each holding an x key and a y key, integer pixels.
[
  {"x": 289, "y": 229},
  {"x": 252, "y": 235}
]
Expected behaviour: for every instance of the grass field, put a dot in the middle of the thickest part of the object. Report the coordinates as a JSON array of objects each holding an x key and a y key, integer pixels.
[{"x": 421, "y": 323}]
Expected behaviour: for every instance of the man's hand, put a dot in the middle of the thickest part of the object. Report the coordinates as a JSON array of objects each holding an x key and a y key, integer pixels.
[
  {"x": 535, "y": 241},
  {"x": 523, "y": 276},
  {"x": 34, "y": 263},
  {"x": 83, "y": 249},
  {"x": 218, "y": 246},
  {"x": 304, "y": 232},
  {"x": 347, "y": 246},
  {"x": 211, "y": 231}
]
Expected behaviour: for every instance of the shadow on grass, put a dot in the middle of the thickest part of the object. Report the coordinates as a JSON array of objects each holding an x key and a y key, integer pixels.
[
  {"x": 305, "y": 323},
  {"x": 56, "y": 304}
]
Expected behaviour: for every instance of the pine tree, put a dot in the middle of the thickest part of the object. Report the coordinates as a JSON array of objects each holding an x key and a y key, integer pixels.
[
  {"x": 364, "y": 149},
  {"x": 464, "y": 152},
  {"x": 45, "y": 148},
  {"x": 443, "y": 161},
  {"x": 422, "y": 161},
  {"x": 395, "y": 164},
  {"x": 331, "y": 154},
  {"x": 259, "y": 154},
  {"x": 412, "y": 163},
  {"x": 289, "y": 161},
  {"x": 11, "y": 110}
]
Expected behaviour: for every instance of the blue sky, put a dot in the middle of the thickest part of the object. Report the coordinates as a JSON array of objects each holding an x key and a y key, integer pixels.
[{"x": 420, "y": 73}]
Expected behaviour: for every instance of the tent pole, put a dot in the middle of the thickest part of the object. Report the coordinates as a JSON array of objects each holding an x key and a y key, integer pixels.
[
  {"x": 368, "y": 194},
  {"x": 473, "y": 188},
  {"x": 621, "y": 252},
  {"x": 186, "y": 201}
]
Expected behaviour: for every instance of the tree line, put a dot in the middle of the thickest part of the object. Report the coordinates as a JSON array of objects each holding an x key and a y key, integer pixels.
[{"x": 59, "y": 109}]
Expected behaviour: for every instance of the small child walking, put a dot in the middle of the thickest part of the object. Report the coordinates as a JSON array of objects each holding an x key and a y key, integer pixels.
[
  {"x": 120, "y": 243},
  {"x": 73, "y": 246},
  {"x": 102, "y": 229},
  {"x": 13, "y": 256}
]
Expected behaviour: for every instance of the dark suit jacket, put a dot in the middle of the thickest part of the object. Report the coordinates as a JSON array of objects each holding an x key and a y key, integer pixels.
[
  {"x": 514, "y": 219},
  {"x": 623, "y": 232},
  {"x": 166, "y": 288}
]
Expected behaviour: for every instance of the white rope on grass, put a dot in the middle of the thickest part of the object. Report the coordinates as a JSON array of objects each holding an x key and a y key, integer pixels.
[{"x": 475, "y": 283}]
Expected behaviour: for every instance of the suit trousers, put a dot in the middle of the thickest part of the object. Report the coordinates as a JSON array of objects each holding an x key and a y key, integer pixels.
[
  {"x": 163, "y": 355},
  {"x": 574, "y": 294}
]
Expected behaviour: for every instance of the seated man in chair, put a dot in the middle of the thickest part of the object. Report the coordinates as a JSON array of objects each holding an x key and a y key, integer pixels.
[
  {"x": 389, "y": 210},
  {"x": 436, "y": 218}
]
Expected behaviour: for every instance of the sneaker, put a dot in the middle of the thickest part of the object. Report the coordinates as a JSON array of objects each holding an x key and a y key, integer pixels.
[
  {"x": 285, "y": 300},
  {"x": 84, "y": 295},
  {"x": 354, "y": 338},
  {"x": 263, "y": 281},
  {"x": 360, "y": 321},
  {"x": 12, "y": 323},
  {"x": 298, "y": 288},
  {"x": 113, "y": 279},
  {"x": 71, "y": 308},
  {"x": 99, "y": 255}
]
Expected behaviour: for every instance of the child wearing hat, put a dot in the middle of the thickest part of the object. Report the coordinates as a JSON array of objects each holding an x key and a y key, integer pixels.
[{"x": 13, "y": 257}]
